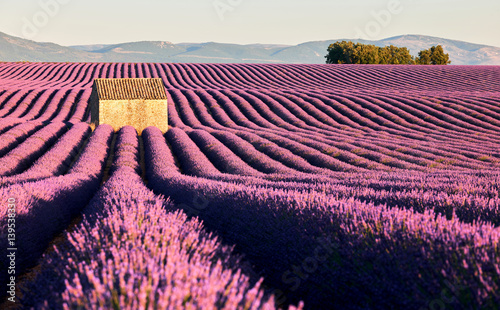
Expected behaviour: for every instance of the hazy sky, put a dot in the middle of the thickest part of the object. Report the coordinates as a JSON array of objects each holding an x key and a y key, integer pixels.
[{"x": 72, "y": 22}]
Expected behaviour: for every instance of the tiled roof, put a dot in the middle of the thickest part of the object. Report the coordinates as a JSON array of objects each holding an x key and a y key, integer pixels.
[{"x": 123, "y": 89}]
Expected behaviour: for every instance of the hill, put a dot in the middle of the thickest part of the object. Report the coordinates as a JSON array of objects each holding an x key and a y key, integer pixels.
[{"x": 18, "y": 49}]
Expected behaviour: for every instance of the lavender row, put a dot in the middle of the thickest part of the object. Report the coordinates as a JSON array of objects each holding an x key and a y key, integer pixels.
[
  {"x": 311, "y": 101},
  {"x": 17, "y": 134},
  {"x": 93, "y": 157},
  {"x": 7, "y": 123},
  {"x": 175, "y": 262},
  {"x": 14, "y": 101},
  {"x": 343, "y": 253},
  {"x": 469, "y": 205},
  {"x": 190, "y": 157},
  {"x": 20, "y": 106},
  {"x": 222, "y": 157},
  {"x": 126, "y": 152},
  {"x": 42, "y": 209},
  {"x": 57, "y": 160},
  {"x": 38, "y": 105},
  {"x": 250, "y": 154},
  {"x": 384, "y": 154},
  {"x": 27, "y": 152},
  {"x": 467, "y": 208}
]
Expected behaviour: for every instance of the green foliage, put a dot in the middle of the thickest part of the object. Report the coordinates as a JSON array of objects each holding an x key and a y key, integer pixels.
[
  {"x": 433, "y": 56},
  {"x": 438, "y": 57},
  {"x": 340, "y": 53},
  {"x": 347, "y": 52},
  {"x": 424, "y": 57},
  {"x": 394, "y": 55},
  {"x": 352, "y": 53}
]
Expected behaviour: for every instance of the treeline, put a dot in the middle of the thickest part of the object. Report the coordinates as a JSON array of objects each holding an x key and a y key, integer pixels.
[{"x": 358, "y": 53}]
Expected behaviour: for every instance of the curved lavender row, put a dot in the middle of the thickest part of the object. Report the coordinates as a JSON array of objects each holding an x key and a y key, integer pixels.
[
  {"x": 10, "y": 139},
  {"x": 157, "y": 154},
  {"x": 344, "y": 253},
  {"x": 306, "y": 112},
  {"x": 8, "y": 93},
  {"x": 57, "y": 160},
  {"x": 22, "y": 106},
  {"x": 67, "y": 105},
  {"x": 200, "y": 109},
  {"x": 18, "y": 159},
  {"x": 191, "y": 159},
  {"x": 43, "y": 209},
  {"x": 220, "y": 156},
  {"x": 126, "y": 153},
  {"x": 7, "y": 123},
  {"x": 13, "y": 102},
  {"x": 82, "y": 112},
  {"x": 278, "y": 153},
  {"x": 345, "y": 105},
  {"x": 346, "y": 156},
  {"x": 40, "y": 103},
  {"x": 93, "y": 157},
  {"x": 378, "y": 154},
  {"x": 281, "y": 154},
  {"x": 216, "y": 111},
  {"x": 160, "y": 162},
  {"x": 467, "y": 206},
  {"x": 182, "y": 104},
  {"x": 194, "y": 161},
  {"x": 51, "y": 109},
  {"x": 249, "y": 154},
  {"x": 174, "y": 118},
  {"x": 420, "y": 112},
  {"x": 176, "y": 264},
  {"x": 345, "y": 152},
  {"x": 312, "y": 155}
]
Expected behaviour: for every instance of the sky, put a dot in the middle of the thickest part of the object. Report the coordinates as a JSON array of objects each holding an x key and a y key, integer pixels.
[{"x": 290, "y": 22}]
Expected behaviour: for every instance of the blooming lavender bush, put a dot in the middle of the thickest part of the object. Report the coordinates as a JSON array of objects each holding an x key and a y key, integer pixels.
[
  {"x": 92, "y": 159},
  {"x": 133, "y": 251},
  {"x": 17, "y": 134},
  {"x": 25, "y": 153},
  {"x": 57, "y": 160},
  {"x": 359, "y": 244},
  {"x": 44, "y": 208}
]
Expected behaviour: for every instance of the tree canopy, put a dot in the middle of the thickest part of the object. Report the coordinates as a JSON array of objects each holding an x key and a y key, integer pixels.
[
  {"x": 433, "y": 56},
  {"x": 347, "y": 52}
]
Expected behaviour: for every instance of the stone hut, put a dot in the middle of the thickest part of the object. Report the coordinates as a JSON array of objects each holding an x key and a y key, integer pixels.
[{"x": 136, "y": 102}]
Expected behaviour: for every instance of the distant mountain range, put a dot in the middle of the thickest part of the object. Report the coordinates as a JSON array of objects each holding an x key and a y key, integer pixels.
[{"x": 18, "y": 49}]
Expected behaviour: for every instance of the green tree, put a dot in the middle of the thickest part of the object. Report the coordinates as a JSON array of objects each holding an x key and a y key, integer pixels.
[
  {"x": 394, "y": 55},
  {"x": 438, "y": 57},
  {"x": 352, "y": 53},
  {"x": 424, "y": 57},
  {"x": 433, "y": 56},
  {"x": 365, "y": 54},
  {"x": 340, "y": 53},
  {"x": 357, "y": 53}
]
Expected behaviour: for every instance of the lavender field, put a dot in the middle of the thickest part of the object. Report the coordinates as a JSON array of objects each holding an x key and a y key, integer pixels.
[{"x": 277, "y": 186}]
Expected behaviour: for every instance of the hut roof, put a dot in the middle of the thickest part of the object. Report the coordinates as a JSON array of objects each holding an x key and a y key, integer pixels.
[{"x": 124, "y": 89}]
